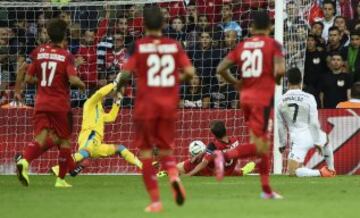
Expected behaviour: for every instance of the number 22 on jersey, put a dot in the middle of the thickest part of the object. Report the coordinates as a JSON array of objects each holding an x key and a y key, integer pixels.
[
  {"x": 252, "y": 63},
  {"x": 45, "y": 66},
  {"x": 160, "y": 71}
]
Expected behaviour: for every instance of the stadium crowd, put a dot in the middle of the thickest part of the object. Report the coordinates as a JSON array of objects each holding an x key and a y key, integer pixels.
[{"x": 100, "y": 39}]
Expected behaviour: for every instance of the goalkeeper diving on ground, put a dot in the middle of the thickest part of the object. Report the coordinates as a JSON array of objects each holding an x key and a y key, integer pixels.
[{"x": 91, "y": 136}]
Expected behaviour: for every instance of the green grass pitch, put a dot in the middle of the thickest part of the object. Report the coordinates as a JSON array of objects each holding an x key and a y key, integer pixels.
[{"x": 125, "y": 197}]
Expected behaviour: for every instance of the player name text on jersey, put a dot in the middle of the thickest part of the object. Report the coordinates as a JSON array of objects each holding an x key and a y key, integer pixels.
[
  {"x": 153, "y": 48},
  {"x": 51, "y": 56}
]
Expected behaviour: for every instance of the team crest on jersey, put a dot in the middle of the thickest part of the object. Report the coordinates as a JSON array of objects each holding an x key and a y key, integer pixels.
[
  {"x": 316, "y": 60},
  {"x": 340, "y": 83}
]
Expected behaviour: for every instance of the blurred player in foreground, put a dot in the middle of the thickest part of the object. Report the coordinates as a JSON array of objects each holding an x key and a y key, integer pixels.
[
  {"x": 202, "y": 163},
  {"x": 354, "y": 101},
  {"x": 156, "y": 61},
  {"x": 262, "y": 63},
  {"x": 53, "y": 71},
  {"x": 297, "y": 113},
  {"x": 91, "y": 137}
]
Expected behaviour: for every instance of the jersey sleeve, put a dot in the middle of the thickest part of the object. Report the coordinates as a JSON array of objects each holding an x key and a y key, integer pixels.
[
  {"x": 31, "y": 71},
  {"x": 184, "y": 60},
  {"x": 70, "y": 65},
  {"x": 281, "y": 126},
  {"x": 98, "y": 95},
  {"x": 233, "y": 55},
  {"x": 111, "y": 116},
  {"x": 278, "y": 51},
  {"x": 130, "y": 64}
]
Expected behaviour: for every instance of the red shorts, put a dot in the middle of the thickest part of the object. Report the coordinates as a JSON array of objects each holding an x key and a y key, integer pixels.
[
  {"x": 152, "y": 133},
  {"x": 60, "y": 122},
  {"x": 257, "y": 119}
]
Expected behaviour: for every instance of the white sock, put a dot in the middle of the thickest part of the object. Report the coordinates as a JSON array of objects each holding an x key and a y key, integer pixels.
[
  {"x": 306, "y": 172},
  {"x": 329, "y": 156}
]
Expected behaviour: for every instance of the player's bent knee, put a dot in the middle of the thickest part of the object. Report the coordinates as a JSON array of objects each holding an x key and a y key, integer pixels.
[{"x": 180, "y": 167}]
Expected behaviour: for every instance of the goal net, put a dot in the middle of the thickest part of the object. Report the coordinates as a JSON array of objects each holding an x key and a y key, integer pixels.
[{"x": 99, "y": 35}]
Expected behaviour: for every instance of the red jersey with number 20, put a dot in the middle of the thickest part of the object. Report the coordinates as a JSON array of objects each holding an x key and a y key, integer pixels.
[
  {"x": 156, "y": 62},
  {"x": 255, "y": 58},
  {"x": 52, "y": 66}
]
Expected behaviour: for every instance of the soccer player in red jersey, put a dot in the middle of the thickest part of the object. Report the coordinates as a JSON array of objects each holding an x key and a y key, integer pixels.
[
  {"x": 156, "y": 61},
  {"x": 262, "y": 64},
  {"x": 53, "y": 71},
  {"x": 203, "y": 165}
]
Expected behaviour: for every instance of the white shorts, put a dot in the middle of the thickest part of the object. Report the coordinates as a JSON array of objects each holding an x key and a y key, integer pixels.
[{"x": 301, "y": 143}]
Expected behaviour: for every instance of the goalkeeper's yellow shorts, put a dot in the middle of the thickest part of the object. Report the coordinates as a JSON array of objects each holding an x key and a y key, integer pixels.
[{"x": 95, "y": 147}]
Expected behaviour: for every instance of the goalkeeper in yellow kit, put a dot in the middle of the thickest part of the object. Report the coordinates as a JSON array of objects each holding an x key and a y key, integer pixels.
[{"x": 91, "y": 137}]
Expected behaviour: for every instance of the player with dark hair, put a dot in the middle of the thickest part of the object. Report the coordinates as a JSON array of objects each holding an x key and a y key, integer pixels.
[
  {"x": 156, "y": 61},
  {"x": 298, "y": 121},
  {"x": 203, "y": 165},
  {"x": 53, "y": 71},
  {"x": 262, "y": 65}
]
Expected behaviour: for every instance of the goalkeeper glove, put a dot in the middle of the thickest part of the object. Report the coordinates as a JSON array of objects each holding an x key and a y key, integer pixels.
[{"x": 119, "y": 97}]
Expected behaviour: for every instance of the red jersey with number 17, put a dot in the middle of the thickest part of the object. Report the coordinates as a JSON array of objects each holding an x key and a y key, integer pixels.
[
  {"x": 255, "y": 58},
  {"x": 52, "y": 67},
  {"x": 156, "y": 62}
]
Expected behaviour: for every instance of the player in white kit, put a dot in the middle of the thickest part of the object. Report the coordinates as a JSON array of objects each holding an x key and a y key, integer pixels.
[{"x": 298, "y": 116}]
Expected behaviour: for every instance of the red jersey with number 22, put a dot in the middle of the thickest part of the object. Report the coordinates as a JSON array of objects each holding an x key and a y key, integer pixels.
[
  {"x": 156, "y": 62},
  {"x": 255, "y": 58},
  {"x": 52, "y": 66}
]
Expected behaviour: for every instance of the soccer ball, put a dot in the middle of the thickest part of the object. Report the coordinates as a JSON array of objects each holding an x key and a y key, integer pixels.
[{"x": 196, "y": 147}]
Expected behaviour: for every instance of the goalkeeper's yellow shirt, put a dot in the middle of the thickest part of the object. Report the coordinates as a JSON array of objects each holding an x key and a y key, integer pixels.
[{"x": 94, "y": 117}]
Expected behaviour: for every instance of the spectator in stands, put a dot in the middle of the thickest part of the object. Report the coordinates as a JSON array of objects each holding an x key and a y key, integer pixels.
[
  {"x": 352, "y": 23},
  {"x": 340, "y": 23},
  {"x": 118, "y": 54},
  {"x": 329, "y": 11},
  {"x": 166, "y": 15},
  {"x": 86, "y": 59},
  {"x": 122, "y": 28},
  {"x": 224, "y": 95},
  {"x": 354, "y": 101},
  {"x": 335, "y": 85},
  {"x": 351, "y": 54},
  {"x": 205, "y": 59},
  {"x": 192, "y": 95},
  {"x": 75, "y": 37},
  {"x": 227, "y": 22},
  {"x": 135, "y": 21},
  {"x": 317, "y": 30},
  {"x": 294, "y": 23},
  {"x": 177, "y": 30},
  {"x": 334, "y": 41},
  {"x": 191, "y": 17},
  {"x": 315, "y": 67}
]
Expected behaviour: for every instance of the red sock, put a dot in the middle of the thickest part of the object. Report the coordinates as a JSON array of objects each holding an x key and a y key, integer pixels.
[
  {"x": 241, "y": 151},
  {"x": 150, "y": 180},
  {"x": 264, "y": 170},
  {"x": 64, "y": 158},
  {"x": 169, "y": 164},
  {"x": 32, "y": 151}
]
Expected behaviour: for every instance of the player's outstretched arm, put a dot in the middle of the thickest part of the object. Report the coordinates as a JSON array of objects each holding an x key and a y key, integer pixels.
[
  {"x": 198, "y": 168},
  {"x": 223, "y": 70},
  {"x": 187, "y": 74},
  {"x": 111, "y": 116},
  {"x": 76, "y": 82},
  {"x": 20, "y": 78},
  {"x": 30, "y": 79},
  {"x": 282, "y": 131},
  {"x": 279, "y": 68}
]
